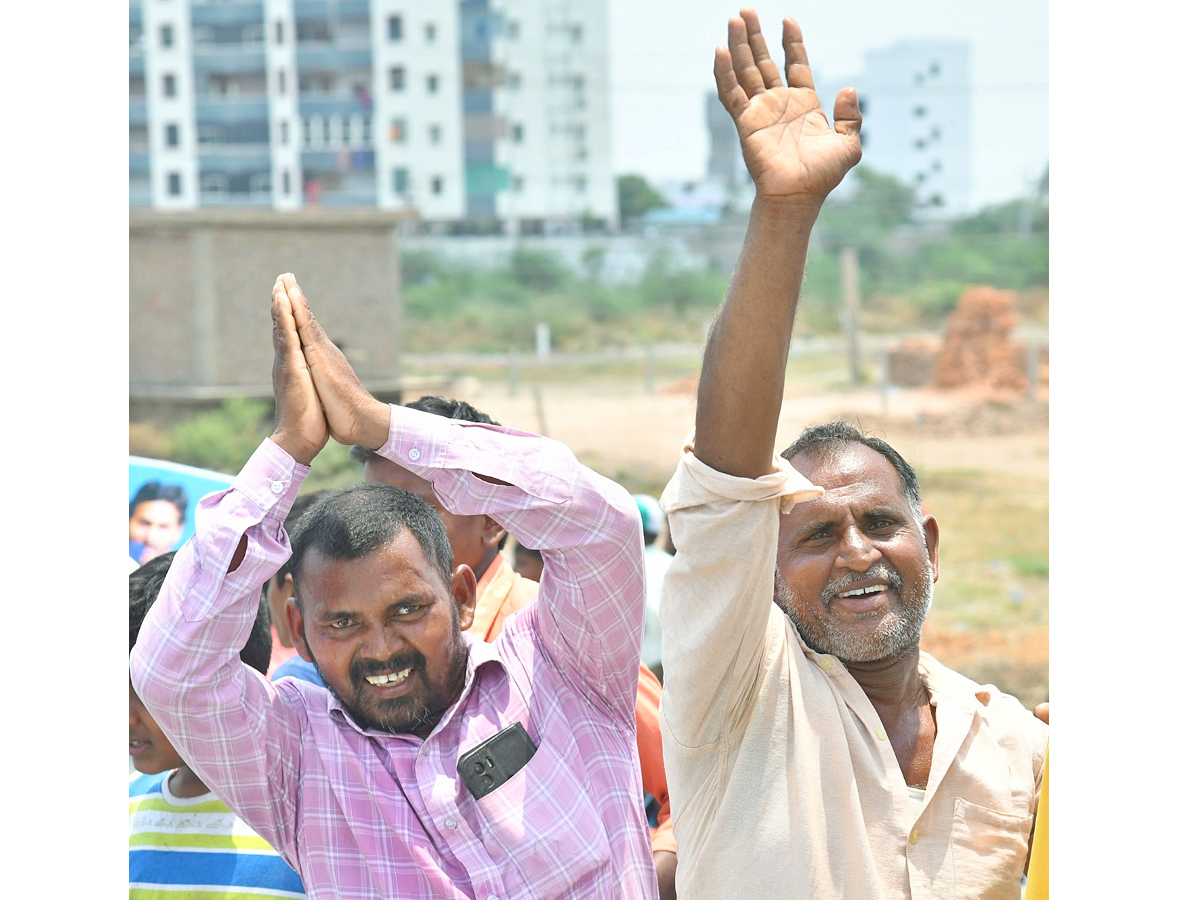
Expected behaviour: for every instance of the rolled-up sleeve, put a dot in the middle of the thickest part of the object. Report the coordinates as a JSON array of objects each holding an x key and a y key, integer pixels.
[{"x": 719, "y": 589}]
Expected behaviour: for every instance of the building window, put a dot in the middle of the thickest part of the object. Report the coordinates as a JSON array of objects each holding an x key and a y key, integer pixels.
[
  {"x": 397, "y": 76},
  {"x": 346, "y": 138},
  {"x": 283, "y": 133},
  {"x": 166, "y": 36},
  {"x": 400, "y": 182},
  {"x": 518, "y": 184},
  {"x": 518, "y": 133},
  {"x": 935, "y": 133},
  {"x": 213, "y": 185},
  {"x": 919, "y": 143},
  {"x": 174, "y": 184},
  {"x": 935, "y": 69},
  {"x": 435, "y": 134},
  {"x": 306, "y": 127},
  {"x": 397, "y": 132},
  {"x": 282, "y": 81},
  {"x": 395, "y": 28},
  {"x": 514, "y": 29},
  {"x": 172, "y": 135},
  {"x": 279, "y": 40},
  {"x": 168, "y": 85},
  {"x": 260, "y": 184},
  {"x": 326, "y": 131},
  {"x": 919, "y": 111},
  {"x": 576, "y": 33},
  {"x": 430, "y": 32},
  {"x": 366, "y": 130},
  {"x": 431, "y": 83},
  {"x": 285, "y": 183},
  {"x": 936, "y": 165},
  {"x": 514, "y": 80},
  {"x": 435, "y": 184}
]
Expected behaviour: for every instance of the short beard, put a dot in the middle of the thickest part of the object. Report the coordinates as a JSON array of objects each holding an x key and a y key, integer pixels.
[
  {"x": 405, "y": 718},
  {"x": 898, "y": 630}
]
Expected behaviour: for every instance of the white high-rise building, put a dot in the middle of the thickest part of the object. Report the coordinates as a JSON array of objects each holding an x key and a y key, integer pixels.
[
  {"x": 493, "y": 112},
  {"x": 918, "y": 119},
  {"x": 916, "y": 102}
]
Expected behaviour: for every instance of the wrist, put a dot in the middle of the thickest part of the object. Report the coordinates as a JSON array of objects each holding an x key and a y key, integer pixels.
[
  {"x": 298, "y": 449},
  {"x": 796, "y": 210},
  {"x": 375, "y": 424}
]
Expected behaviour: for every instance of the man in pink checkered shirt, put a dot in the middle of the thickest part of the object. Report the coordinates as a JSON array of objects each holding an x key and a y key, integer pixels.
[{"x": 361, "y": 787}]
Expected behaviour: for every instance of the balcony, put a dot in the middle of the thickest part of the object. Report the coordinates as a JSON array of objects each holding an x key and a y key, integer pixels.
[
  {"x": 347, "y": 10},
  {"x": 139, "y": 163},
  {"x": 228, "y": 59},
  {"x": 342, "y": 103},
  {"x": 322, "y": 55},
  {"x": 234, "y": 159},
  {"x": 137, "y": 64},
  {"x": 215, "y": 109},
  {"x": 345, "y": 160},
  {"x": 137, "y": 111},
  {"x": 249, "y": 13}
]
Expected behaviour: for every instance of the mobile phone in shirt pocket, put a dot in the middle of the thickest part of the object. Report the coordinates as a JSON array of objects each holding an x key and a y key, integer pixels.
[
  {"x": 543, "y": 826},
  {"x": 988, "y": 849}
]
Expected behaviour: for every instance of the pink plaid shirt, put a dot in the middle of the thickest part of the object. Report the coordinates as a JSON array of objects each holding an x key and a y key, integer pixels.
[{"x": 363, "y": 813}]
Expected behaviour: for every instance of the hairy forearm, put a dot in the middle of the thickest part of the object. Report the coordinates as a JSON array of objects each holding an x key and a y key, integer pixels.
[{"x": 741, "y": 379}]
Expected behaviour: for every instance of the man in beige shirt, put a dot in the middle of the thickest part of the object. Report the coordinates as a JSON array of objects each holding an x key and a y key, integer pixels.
[{"x": 812, "y": 749}]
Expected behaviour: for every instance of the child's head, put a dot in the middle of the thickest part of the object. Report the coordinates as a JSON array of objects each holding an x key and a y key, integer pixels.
[{"x": 149, "y": 747}]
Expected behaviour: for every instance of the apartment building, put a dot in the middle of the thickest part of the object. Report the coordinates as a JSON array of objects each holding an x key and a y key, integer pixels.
[{"x": 493, "y": 112}]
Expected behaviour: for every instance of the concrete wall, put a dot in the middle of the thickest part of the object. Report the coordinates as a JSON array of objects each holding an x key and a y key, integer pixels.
[{"x": 200, "y": 286}]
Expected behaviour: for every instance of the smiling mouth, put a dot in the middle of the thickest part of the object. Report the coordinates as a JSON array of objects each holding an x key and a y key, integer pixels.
[
  {"x": 391, "y": 679},
  {"x": 862, "y": 592}
]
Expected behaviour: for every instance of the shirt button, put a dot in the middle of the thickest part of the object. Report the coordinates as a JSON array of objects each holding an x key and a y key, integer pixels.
[
  {"x": 914, "y": 837},
  {"x": 881, "y": 734},
  {"x": 493, "y": 897},
  {"x": 414, "y": 454},
  {"x": 826, "y": 663},
  {"x": 276, "y": 487},
  {"x": 452, "y": 824}
]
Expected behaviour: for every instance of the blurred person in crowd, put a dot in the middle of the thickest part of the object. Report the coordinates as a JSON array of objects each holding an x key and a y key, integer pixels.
[
  {"x": 526, "y": 562},
  {"x": 278, "y": 589},
  {"x": 435, "y": 764},
  {"x": 812, "y": 749},
  {"x": 157, "y": 514},
  {"x": 183, "y": 839},
  {"x": 501, "y": 591},
  {"x": 657, "y": 560}
]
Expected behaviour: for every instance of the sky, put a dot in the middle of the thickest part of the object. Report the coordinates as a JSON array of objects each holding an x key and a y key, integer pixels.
[{"x": 661, "y": 56}]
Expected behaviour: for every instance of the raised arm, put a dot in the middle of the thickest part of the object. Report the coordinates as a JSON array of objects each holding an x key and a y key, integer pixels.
[
  {"x": 591, "y": 603},
  {"x": 795, "y": 159}
]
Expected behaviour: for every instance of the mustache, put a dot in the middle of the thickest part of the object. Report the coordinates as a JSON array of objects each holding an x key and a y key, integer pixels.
[
  {"x": 878, "y": 571},
  {"x": 361, "y": 668}
]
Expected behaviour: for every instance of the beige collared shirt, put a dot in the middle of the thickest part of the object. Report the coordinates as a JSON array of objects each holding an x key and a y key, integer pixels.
[{"x": 783, "y": 783}]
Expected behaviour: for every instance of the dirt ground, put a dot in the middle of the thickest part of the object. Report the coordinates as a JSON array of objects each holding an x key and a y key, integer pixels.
[{"x": 635, "y": 438}]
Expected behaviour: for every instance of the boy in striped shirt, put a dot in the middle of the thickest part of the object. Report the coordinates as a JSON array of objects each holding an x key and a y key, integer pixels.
[{"x": 183, "y": 840}]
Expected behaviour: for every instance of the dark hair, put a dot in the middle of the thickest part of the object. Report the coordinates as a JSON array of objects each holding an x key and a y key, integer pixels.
[
  {"x": 156, "y": 490},
  {"x": 832, "y": 437},
  {"x": 440, "y": 406},
  {"x": 146, "y": 581},
  {"x": 299, "y": 508},
  {"x": 354, "y": 521}
]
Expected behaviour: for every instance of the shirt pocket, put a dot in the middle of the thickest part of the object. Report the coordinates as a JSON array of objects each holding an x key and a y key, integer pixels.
[
  {"x": 543, "y": 823},
  {"x": 988, "y": 849}
]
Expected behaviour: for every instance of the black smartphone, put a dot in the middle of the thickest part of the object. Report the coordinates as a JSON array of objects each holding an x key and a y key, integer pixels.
[{"x": 499, "y": 758}]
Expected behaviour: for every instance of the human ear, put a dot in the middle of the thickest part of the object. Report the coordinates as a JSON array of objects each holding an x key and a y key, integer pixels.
[
  {"x": 932, "y": 537},
  {"x": 493, "y": 533},
  {"x": 295, "y": 624},
  {"x": 462, "y": 595}
]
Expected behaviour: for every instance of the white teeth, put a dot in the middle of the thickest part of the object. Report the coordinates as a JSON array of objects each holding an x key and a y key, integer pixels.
[
  {"x": 388, "y": 680},
  {"x": 862, "y": 592}
]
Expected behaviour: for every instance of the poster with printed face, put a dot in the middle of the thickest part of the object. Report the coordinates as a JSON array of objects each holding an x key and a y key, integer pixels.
[{"x": 162, "y": 504}]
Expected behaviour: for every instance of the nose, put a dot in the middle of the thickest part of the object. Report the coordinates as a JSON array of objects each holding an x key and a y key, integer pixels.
[
  {"x": 380, "y": 643},
  {"x": 857, "y": 552}
]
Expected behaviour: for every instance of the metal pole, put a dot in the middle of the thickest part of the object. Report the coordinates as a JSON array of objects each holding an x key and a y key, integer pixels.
[{"x": 850, "y": 307}]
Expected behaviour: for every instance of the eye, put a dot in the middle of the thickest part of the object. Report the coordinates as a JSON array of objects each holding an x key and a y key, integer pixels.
[
  {"x": 342, "y": 624},
  {"x": 407, "y": 611}
]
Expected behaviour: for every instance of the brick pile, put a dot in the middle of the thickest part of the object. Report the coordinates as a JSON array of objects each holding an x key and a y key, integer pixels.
[{"x": 977, "y": 349}]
